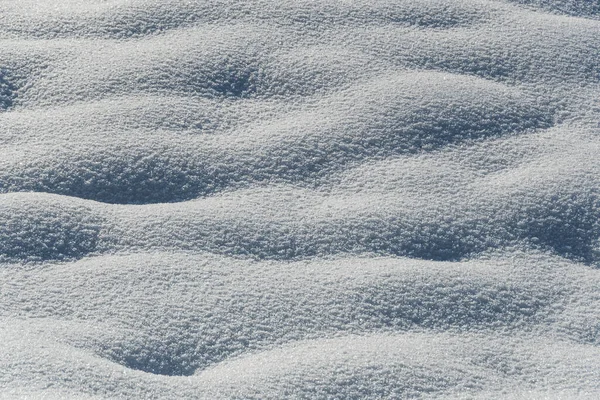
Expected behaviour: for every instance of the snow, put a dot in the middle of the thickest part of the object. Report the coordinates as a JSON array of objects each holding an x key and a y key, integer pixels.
[{"x": 300, "y": 199}]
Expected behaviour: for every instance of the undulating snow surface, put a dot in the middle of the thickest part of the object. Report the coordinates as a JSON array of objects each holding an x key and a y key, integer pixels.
[{"x": 319, "y": 199}]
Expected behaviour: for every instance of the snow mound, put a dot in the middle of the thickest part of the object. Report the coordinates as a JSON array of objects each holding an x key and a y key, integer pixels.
[
  {"x": 402, "y": 113},
  {"x": 39, "y": 227}
]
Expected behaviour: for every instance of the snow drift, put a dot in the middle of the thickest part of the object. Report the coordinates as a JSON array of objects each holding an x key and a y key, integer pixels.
[{"x": 303, "y": 199}]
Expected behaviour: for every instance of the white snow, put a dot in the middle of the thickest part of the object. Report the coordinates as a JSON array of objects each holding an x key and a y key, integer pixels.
[{"x": 300, "y": 199}]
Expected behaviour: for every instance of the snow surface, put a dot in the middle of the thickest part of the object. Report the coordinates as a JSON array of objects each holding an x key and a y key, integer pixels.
[{"x": 317, "y": 199}]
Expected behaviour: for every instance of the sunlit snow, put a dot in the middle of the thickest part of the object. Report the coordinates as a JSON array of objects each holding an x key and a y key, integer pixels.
[{"x": 316, "y": 199}]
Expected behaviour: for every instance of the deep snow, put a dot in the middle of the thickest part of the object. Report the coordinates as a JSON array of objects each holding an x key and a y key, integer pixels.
[{"x": 300, "y": 199}]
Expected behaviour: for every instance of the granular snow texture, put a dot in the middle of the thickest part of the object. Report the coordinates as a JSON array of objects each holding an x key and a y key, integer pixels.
[{"x": 324, "y": 199}]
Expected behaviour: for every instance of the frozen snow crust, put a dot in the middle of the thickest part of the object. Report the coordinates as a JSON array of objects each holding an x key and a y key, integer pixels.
[{"x": 300, "y": 199}]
